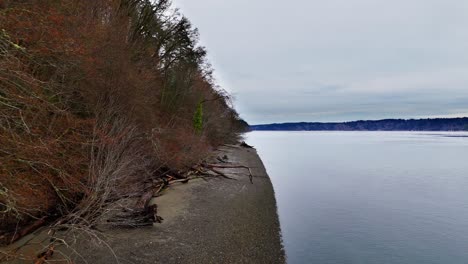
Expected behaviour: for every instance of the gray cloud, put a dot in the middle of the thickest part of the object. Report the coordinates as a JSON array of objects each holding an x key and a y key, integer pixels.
[{"x": 309, "y": 60}]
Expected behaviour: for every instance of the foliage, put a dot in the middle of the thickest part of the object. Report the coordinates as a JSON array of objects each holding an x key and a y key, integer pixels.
[
  {"x": 198, "y": 118},
  {"x": 95, "y": 96}
]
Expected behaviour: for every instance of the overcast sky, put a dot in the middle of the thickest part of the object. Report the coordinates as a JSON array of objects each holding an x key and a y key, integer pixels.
[{"x": 337, "y": 60}]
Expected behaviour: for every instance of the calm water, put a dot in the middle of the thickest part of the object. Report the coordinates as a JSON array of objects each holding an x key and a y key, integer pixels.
[{"x": 369, "y": 197}]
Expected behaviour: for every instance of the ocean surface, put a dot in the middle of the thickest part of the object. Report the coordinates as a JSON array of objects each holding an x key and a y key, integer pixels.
[{"x": 369, "y": 197}]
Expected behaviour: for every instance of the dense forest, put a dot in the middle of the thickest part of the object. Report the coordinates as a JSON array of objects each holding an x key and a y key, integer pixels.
[
  {"x": 98, "y": 98},
  {"x": 436, "y": 124}
]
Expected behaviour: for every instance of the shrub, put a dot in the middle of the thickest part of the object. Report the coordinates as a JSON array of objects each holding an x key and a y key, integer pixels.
[{"x": 96, "y": 97}]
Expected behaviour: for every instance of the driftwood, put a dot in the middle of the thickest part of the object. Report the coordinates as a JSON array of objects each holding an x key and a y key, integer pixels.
[
  {"x": 44, "y": 256},
  {"x": 186, "y": 180},
  {"x": 153, "y": 210},
  {"x": 146, "y": 197},
  {"x": 144, "y": 200},
  {"x": 198, "y": 169},
  {"x": 221, "y": 160},
  {"x": 137, "y": 217},
  {"x": 245, "y": 145},
  {"x": 220, "y": 173},
  {"x": 144, "y": 214},
  {"x": 231, "y": 146},
  {"x": 213, "y": 167}
]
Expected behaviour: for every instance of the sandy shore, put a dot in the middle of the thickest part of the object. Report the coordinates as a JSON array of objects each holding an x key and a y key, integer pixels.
[{"x": 205, "y": 221}]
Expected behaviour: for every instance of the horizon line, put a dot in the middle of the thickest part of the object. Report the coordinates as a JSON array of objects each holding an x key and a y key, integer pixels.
[{"x": 360, "y": 120}]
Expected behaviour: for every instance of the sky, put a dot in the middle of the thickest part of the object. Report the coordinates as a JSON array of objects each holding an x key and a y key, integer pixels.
[{"x": 337, "y": 60}]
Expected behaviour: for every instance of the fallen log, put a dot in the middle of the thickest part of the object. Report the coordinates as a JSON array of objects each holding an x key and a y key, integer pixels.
[
  {"x": 245, "y": 145},
  {"x": 143, "y": 214},
  {"x": 211, "y": 166},
  {"x": 32, "y": 227},
  {"x": 144, "y": 200}
]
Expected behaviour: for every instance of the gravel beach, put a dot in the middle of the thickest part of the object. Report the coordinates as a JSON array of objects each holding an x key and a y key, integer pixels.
[{"x": 212, "y": 220}]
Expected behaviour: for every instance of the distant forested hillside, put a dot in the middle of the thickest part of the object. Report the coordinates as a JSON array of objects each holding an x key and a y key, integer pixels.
[{"x": 437, "y": 124}]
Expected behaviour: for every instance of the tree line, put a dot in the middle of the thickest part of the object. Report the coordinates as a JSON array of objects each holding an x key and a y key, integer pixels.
[
  {"x": 98, "y": 97},
  {"x": 436, "y": 124}
]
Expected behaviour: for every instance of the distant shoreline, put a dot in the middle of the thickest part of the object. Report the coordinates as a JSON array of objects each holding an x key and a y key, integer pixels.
[{"x": 428, "y": 125}]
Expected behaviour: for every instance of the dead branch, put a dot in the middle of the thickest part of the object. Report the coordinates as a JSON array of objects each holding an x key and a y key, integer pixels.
[
  {"x": 180, "y": 180},
  {"x": 211, "y": 166},
  {"x": 176, "y": 175},
  {"x": 44, "y": 256},
  {"x": 146, "y": 197},
  {"x": 198, "y": 169},
  {"x": 223, "y": 159},
  {"x": 220, "y": 173}
]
